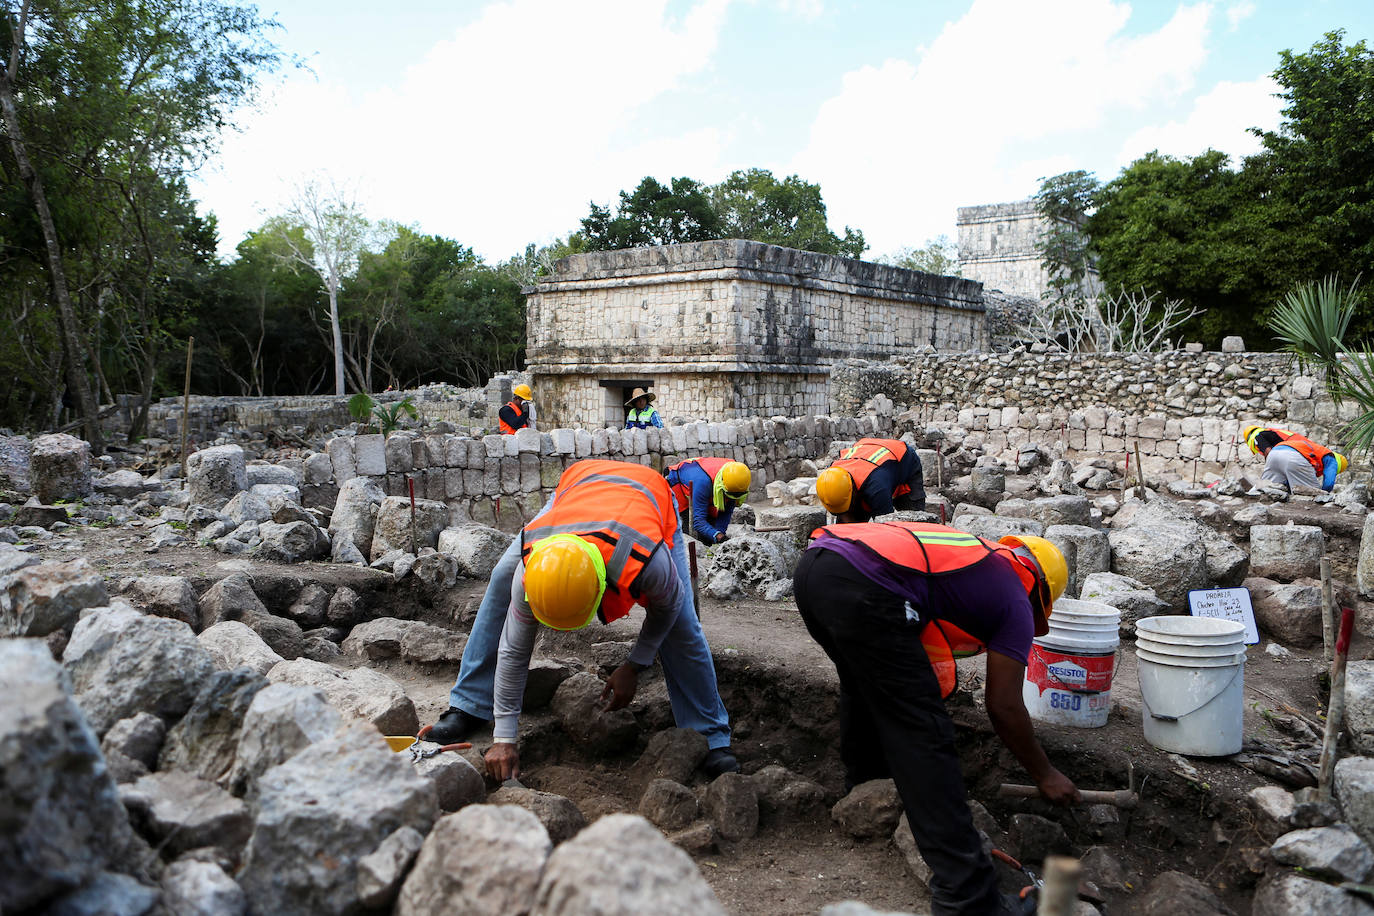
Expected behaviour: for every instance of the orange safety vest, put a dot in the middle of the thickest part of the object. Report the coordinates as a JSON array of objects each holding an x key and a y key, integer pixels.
[
  {"x": 506, "y": 428},
  {"x": 1304, "y": 446},
  {"x": 624, "y": 510},
  {"x": 683, "y": 492},
  {"x": 934, "y": 550},
  {"x": 864, "y": 457}
]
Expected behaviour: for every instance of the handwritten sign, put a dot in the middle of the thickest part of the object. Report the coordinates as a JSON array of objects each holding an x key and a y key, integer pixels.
[{"x": 1228, "y": 604}]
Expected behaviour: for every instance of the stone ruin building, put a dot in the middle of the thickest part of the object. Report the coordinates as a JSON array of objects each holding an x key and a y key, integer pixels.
[
  {"x": 998, "y": 247},
  {"x": 727, "y": 329}
]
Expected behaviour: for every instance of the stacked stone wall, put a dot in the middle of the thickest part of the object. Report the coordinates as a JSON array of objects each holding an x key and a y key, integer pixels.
[
  {"x": 1174, "y": 405},
  {"x": 504, "y": 480}
]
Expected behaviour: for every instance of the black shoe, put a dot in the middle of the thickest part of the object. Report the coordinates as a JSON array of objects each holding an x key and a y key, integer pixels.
[
  {"x": 719, "y": 760},
  {"x": 455, "y": 725},
  {"x": 1013, "y": 905}
]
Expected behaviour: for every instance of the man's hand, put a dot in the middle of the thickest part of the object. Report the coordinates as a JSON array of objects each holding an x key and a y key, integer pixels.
[
  {"x": 720, "y": 536},
  {"x": 620, "y": 688},
  {"x": 1058, "y": 788},
  {"x": 503, "y": 762}
]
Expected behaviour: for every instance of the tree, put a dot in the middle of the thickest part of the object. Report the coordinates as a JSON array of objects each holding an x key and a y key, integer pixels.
[
  {"x": 106, "y": 105},
  {"x": 1063, "y": 204},
  {"x": 654, "y": 214},
  {"x": 1318, "y": 170},
  {"x": 938, "y": 256},
  {"x": 337, "y": 232},
  {"x": 752, "y": 204}
]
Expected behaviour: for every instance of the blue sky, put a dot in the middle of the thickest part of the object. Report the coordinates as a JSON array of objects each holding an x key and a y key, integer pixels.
[{"x": 496, "y": 123}]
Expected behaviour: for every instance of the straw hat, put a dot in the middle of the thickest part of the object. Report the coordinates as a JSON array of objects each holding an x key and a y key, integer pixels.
[{"x": 640, "y": 393}]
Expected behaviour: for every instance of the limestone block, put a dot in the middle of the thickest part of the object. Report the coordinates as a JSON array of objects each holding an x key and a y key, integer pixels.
[
  {"x": 477, "y": 453},
  {"x": 1286, "y": 552},
  {"x": 60, "y": 468},
  {"x": 564, "y": 441},
  {"x": 369, "y": 455},
  {"x": 527, "y": 440},
  {"x": 529, "y": 473},
  {"x": 400, "y": 459},
  {"x": 319, "y": 468},
  {"x": 455, "y": 452},
  {"x": 510, "y": 475}
]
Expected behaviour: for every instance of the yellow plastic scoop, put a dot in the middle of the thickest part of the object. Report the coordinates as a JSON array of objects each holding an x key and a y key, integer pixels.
[{"x": 399, "y": 743}]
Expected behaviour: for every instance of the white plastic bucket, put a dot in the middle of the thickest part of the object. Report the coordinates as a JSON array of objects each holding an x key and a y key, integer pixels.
[
  {"x": 1192, "y": 679},
  {"x": 1069, "y": 671}
]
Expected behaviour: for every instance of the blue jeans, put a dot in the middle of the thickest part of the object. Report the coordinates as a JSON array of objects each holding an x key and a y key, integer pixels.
[{"x": 688, "y": 669}]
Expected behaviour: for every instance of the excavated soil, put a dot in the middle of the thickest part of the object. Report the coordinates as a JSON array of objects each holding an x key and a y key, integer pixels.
[{"x": 781, "y": 693}]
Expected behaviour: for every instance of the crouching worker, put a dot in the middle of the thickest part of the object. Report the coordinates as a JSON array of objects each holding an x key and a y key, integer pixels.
[
  {"x": 607, "y": 540},
  {"x": 709, "y": 489},
  {"x": 872, "y": 477},
  {"x": 893, "y": 604},
  {"x": 1293, "y": 460}
]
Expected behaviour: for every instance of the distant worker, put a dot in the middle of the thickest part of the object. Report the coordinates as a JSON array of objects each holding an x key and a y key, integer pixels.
[
  {"x": 516, "y": 414},
  {"x": 872, "y": 477},
  {"x": 607, "y": 540},
  {"x": 893, "y": 604},
  {"x": 642, "y": 412},
  {"x": 1291, "y": 459},
  {"x": 709, "y": 489}
]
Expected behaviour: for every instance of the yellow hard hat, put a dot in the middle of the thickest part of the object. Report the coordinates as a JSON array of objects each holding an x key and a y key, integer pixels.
[
  {"x": 735, "y": 478},
  {"x": 523, "y": 392},
  {"x": 1248, "y": 434},
  {"x": 1048, "y": 557},
  {"x": 1342, "y": 463},
  {"x": 835, "y": 490},
  {"x": 564, "y": 579}
]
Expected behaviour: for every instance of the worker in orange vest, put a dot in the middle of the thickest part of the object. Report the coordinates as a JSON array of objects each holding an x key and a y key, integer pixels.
[
  {"x": 893, "y": 605},
  {"x": 515, "y": 415},
  {"x": 607, "y": 540},
  {"x": 1313, "y": 465},
  {"x": 709, "y": 489},
  {"x": 872, "y": 477}
]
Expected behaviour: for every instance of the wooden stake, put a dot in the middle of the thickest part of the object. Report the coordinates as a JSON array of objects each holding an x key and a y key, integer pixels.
[
  {"x": 1125, "y": 476},
  {"x": 186, "y": 411},
  {"x": 939, "y": 467},
  {"x": 1139, "y": 470},
  {"x": 1328, "y": 611},
  {"x": 410, "y": 485},
  {"x": 1335, "y": 707},
  {"x": 1194, "y": 472},
  {"x": 1060, "y": 894}
]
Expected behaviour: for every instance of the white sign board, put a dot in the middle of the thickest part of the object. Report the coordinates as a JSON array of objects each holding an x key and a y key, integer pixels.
[{"x": 1228, "y": 604}]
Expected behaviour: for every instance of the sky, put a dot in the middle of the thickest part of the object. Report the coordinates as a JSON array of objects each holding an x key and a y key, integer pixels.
[{"x": 497, "y": 123}]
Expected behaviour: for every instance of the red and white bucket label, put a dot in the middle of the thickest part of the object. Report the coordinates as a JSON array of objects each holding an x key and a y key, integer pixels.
[{"x": 1049, "y": 669}]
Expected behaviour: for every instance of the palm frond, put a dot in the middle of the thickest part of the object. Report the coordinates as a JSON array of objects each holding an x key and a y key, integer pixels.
[
  {"x": 1312, "y": 319},
  {"x": 1354, "y": 379}
]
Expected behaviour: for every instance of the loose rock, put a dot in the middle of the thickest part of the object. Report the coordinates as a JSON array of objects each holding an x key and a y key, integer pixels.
[{"x": 485, "y": 859}]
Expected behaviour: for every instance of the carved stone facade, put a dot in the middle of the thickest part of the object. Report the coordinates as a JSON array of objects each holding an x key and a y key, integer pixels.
[
  {"x": 727, "y": 329},
  {"x": 998, "y": 248}
]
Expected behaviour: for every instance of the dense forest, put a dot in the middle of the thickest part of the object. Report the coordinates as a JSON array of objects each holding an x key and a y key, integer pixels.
[{"x": 108, "y": 265}]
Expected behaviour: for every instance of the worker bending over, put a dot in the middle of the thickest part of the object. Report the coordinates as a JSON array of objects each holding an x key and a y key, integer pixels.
[
  {"x": 893, "y": 604},
  {"x": 607, "y": 540},
  {"x": 1291, "y": 459},
  {"x": 516, "y": 415},
  {"x": 872, "y": 477},
  {"x": 709, "y": 489}
]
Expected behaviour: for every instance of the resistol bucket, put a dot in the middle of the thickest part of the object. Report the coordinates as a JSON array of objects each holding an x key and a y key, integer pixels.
[
  {"x": 1069, "y": 671},
  {"x": 1192, "y": 677}
]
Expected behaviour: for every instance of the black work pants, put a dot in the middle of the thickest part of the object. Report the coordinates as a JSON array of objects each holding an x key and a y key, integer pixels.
[{"x": 893, "y": 723}]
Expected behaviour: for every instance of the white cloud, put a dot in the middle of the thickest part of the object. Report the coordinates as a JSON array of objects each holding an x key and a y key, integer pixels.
[
  {"x": 1237, "y": 13},
  {"x": 496, "y": 136},
  {"x": 1220, "y": 120},
  {"x": 951, "y": 128}
]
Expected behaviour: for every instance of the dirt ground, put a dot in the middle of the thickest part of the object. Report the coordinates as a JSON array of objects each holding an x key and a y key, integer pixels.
[{"x": 781, "y": 692}]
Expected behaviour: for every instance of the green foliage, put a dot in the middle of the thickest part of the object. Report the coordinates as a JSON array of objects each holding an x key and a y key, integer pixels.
[
  {"x": 654, "y": 214},
  {"x": 938, "y": 256},
  {"x": 1312, "y": 319},
  {"x": 1233, "y": 242},
  {"x": 389, "y": 415},
  {"x": 360, "y": 406},
  {"x": 1064, "y": 202},
  {"x": 117, "y": 102},
  {"x": 750, "y": 204}
]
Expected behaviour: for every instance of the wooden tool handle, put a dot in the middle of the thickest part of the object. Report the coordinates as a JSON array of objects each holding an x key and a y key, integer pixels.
[{"x": 1121, "y": 798}]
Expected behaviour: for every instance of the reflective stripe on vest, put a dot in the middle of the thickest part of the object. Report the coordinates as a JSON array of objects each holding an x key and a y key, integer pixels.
[
  {"x": 624, "y": 510},
  {"x": 1310, "y": 450},
  {"x": 933, "y": 550},
  {"x": 863, "y": 458},
  {"x": 683, "y": 492}
]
